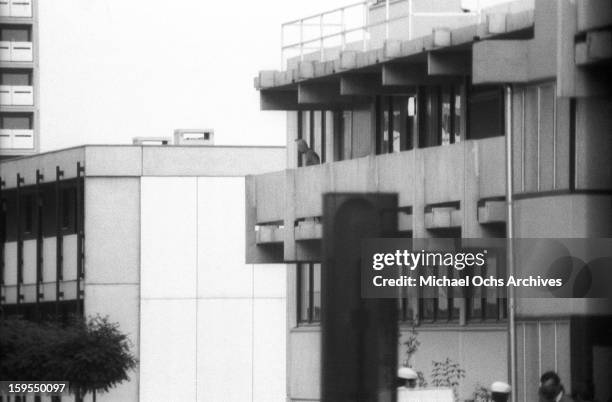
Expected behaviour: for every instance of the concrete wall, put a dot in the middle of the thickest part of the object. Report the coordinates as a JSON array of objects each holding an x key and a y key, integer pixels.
[
  {"x": 112, "y": 258},
  {"x": 206, "y": 316}
]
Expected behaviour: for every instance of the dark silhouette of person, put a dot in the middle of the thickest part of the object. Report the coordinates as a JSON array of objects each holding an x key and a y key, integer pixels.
[
  {"x": 551, "y": 389},
  {"x": 310, "y": 156}
]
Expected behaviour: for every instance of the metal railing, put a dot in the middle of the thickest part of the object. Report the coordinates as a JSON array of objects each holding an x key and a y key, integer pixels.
[{"x": 351, "y": 27}]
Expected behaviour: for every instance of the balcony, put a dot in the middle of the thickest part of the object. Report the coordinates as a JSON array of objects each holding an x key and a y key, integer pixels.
[
  {"x": 16, "y": 51},
  {"x": 16, "y": 8},
  {"x": 12, "y": 139},
  {"x": 438, "y": 188},
  {"x": 16, "y": 95}
]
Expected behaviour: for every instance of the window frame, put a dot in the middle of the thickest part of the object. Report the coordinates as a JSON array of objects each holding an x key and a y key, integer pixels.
[{"x": 310, "y": 318}]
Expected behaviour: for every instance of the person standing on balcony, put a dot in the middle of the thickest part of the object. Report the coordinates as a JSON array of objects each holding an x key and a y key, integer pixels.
[{"x": 310, "y": 156}]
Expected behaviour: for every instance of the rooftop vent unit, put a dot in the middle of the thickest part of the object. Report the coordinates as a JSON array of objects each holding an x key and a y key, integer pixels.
[
  {"x": 194, "y": 137},
  {"x": 152, "y": 141}
]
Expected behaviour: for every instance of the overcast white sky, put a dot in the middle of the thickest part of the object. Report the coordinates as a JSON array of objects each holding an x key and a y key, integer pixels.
[{"x": 111, "y": 70}]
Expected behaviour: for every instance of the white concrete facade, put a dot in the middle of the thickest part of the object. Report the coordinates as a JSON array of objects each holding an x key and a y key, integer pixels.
[{"x": 164, "y": 258}]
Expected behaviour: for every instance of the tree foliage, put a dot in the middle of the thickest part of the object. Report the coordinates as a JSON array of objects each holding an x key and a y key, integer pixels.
[{"x": 92, "y": 355}]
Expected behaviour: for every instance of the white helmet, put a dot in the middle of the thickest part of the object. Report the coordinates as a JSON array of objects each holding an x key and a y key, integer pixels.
[
  {"x": 500, "y": 387},
  {"x": 407, "y": 373}
]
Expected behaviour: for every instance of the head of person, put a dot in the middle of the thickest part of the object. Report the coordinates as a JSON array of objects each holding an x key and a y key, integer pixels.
[
  {"x": 550, "y": 386},
  {"x": 408, "y": 377},
  {"x": 302, "y": 145},
  {"x": 500, "y": 391}
]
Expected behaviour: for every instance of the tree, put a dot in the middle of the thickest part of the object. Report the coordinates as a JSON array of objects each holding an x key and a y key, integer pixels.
[
  {"x": 91, "y": 355},
  {"x": 97, "y": 356}
]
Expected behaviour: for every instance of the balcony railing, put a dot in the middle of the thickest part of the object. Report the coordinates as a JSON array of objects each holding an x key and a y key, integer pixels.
[
  {"x": 364, "y": 26},
  {"x": 16, "y": 51},
  {"x": 16, "y": 95},
  {"x": 16, "y": 139},
  {"x": 435, "y": 176},
  {"x": 16, "y": 8}
]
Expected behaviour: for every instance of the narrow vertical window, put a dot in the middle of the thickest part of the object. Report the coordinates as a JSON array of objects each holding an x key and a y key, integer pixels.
[{"x": 308, "y": 293}]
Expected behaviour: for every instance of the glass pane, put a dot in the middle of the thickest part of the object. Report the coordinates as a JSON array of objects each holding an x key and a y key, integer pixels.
[
  {"x": 306, "y": 126},
  {"x": 458, "y": 116},
  {"x": 397, "y": 125},
  {"x": 316, "y": 293},
  {"x": 16, "y": 78},
  {"x": 410, "y": 120},
  {"x": 386, "y": 138},
  {"x": 303, "y": 279},
  {"x": 445, "y": 124},
  {"x": 428, "y": 308},
  {"x": 486, "y": 119},
  {"x": 476, "y": 303},
  {"x": 17, "y": 122},
  {"x": 15, "y": 34},
  {"x": 443, "y": 295},
  {"x": 317, "y": 137},
  {"x": 347, "y": 127},
  {"x": 491, "y": 292}
]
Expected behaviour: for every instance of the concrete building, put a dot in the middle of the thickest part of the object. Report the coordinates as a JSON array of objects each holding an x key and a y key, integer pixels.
[
  {"x": 153, "y": 237},
  {"x": 423, "y": 115},
  {"x": 19, "y": 116}
]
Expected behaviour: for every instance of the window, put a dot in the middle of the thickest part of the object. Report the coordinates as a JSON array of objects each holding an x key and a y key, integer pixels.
[
  {"x": 486, "y": 304},
  {"x": 28, "y": 213},
  {"x": 441, "y": 115},
  {"x": 452, "y": 305},
  {"x": 429, "y": 119},
  {"x": 316, "y": 127},
  {"x": 68, "y": 208},
  {"x": 16, "y": 77},
  {"x": 16, "y": 121},
  {"x": 395, "y": 116},
  {"x": 541, "y": 151},
  {"x": 440, "y": 304},
  {"x": 308, "y": 293},
  {"x": 486, "y": 112},
  {"x": 451, "y": 120},
  {"x": 15, "y": 34}
]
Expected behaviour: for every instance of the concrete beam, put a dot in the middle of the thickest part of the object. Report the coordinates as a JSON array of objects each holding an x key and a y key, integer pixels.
[
  {"x": 498, "y": 61},
  {"x": 321, "y": 93},
  {"x": 360, "y": 84},
  {"x": 411, "y": 75},
  {"x": 404, "y": 74},
  {"x": 449, "y": 63},
  {"x": 278, "y": 100}
]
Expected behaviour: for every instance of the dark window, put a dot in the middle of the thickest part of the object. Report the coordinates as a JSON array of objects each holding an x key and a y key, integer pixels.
[
  {"x": 395, "y": 120},
  {"x": 68, "y": 208},
  {"x": 15, "y": 34},
  {"x": 441, "y": 115},
  {"x": 485, "y": 304},
  {"x": 309, "y": 292},
  {"x": 429, "y": 117},
  {"x": 16, "y": 121},
  {"x": 486, "y": 112},
  {"x": 28, "y": 213},
  {"x": 451, "y": 116},
  {"x": 314, "y": 127},
  {"x": 16, "y": 77},
  {"x": 440, "y": 304}
]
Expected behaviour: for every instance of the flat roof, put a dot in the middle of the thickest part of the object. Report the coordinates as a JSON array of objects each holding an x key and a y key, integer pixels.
[{"x": 145, "y": 160}]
